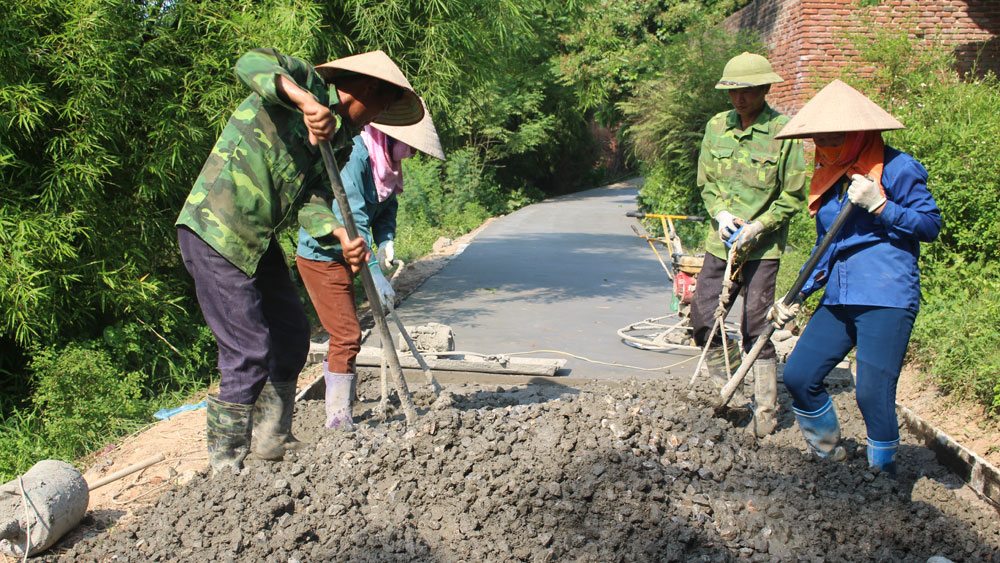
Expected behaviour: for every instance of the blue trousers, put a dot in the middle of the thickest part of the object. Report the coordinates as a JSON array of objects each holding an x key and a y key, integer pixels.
[
  {"x": 881, "y": 335},
  {"x": 258, "y": 321}
]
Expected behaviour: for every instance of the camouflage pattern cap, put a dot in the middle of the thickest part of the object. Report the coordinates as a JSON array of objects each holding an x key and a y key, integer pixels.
[
  {"x": 747, "y": 70},
  {"x": 404, "y": 111}
]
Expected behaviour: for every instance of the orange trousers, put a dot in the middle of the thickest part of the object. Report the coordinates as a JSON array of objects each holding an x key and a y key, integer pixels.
[{"x": 331, "y": 290}]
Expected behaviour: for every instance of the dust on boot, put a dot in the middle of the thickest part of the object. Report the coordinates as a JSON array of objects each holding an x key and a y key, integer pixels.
[
  {"x": 228, "y": 428},
  {"x": 883, "y": 454},
  {"x": 272, "y": 420},
  {"x": 822, "y": 431},
  {"x": 765, "y": 379},
  {"x": 339, "y": 403}
]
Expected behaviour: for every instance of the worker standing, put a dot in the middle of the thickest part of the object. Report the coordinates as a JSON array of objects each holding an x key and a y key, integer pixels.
[
  {"x": 870, "y": 270},
  {"x": 372, "y": 177},
  {"x": 752, "y": 181},
  {"x": 265, "y": 165}
]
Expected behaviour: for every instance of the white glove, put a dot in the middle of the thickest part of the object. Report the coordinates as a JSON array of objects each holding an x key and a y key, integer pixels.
[
  {"x": 865, "y": 193},
  {"x": 779, "y": 314},
  {"x": 749, "y": 233},
  {"x": 727, "y": 225},
  {"x": 386, "y": 254},
  {"x": 382, "y": 286}
]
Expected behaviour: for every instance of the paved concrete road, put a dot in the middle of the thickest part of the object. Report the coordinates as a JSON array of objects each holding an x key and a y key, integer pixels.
[{"x": 564, "y": 274}]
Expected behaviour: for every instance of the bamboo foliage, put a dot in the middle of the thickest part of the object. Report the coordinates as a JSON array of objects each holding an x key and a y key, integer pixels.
[{"x": 108, "y": 109}]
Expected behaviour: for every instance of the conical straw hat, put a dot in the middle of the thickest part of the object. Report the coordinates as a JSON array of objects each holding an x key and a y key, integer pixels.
[
  {"x": 404, "y": 111},
  {"x": 838, "y": 108},
  {"x": 421, "y": 136}
]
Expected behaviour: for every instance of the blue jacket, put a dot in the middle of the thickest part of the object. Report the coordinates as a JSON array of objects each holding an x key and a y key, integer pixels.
[
  {"x": 376, "y": 220},
  {"x": 873, "y": 259}
]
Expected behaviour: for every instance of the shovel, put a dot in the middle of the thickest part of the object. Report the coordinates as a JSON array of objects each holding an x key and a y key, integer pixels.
[
  {"x": 405, "y": 399},
  {"x": 730, "y": 388}
]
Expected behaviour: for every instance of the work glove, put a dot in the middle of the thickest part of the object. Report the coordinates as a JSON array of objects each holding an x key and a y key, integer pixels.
[
  {"x": 386, "y": 254},
  {"x": 727, "y": 224},
  {"x": 382, "y": 286},
  {"x": 865, "y": 193},
  {"x": 780, "y": 314},
  {"x": 749, "y": 234}
]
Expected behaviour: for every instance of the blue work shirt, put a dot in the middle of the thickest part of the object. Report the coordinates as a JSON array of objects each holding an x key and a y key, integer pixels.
[
  {"x": 376, "y": 220},
  {"x": 873, "y": 259}
]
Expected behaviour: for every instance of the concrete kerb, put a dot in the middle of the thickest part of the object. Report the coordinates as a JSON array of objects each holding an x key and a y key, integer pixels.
[{"x": 981, "y": 476}]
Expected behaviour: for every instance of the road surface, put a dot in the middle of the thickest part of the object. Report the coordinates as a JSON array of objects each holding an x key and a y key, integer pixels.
[{"x": 564, "y": 274}]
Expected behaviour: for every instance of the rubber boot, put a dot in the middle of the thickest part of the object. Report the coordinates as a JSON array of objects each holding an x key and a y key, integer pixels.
[
  {"x": 765, "y": 379},
  {"x": 228, "y": 428},
  {"x": 883, "y": 454},
  {"x": 272, "y": 420},
  {"x": 338, "y": 400},
  {"x": 822, "y": 431},
  {"x": 354, "y": 381},
  {"x": 715, "y": 362}
]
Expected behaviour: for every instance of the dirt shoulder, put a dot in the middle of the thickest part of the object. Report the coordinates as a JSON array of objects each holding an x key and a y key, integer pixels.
[{"x": 964, "y": 421}]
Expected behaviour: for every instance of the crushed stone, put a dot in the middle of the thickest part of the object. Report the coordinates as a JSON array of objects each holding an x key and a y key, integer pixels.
[{"x": 638, "y": 471}]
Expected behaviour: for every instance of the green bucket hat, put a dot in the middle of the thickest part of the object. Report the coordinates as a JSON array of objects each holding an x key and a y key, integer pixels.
[{"x": 747, "y": 70}]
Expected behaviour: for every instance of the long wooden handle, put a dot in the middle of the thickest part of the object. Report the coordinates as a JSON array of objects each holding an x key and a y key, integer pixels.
[
  {"x": 333, "y": 171},
  {"x": 127, "y": 471},
  {"x": 729, "y": 389},
  {"x": 413, "y": 350}
]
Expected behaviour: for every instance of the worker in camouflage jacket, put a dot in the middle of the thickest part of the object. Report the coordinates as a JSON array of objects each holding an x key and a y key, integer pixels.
[
  {"x": 751, "y": 184},
  {"x": 266, "y": 165}
]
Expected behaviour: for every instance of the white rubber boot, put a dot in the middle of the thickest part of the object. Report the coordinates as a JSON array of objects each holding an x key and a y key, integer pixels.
[{"x": 339, "y": 405}]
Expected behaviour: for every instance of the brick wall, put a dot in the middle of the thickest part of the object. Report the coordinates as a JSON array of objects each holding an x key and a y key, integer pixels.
[{"x": 805, "y": 46}]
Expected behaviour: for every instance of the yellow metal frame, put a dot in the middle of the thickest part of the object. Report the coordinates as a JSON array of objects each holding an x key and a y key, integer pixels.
[{"x": 669, "y": 238}]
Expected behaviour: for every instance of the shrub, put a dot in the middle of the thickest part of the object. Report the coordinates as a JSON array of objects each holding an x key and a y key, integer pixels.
[
  {"x": 23, "y": 442},
  {"x": 448, "y": 199},
  {"x": 956, "y": 335},
  {"x": 88, "y": 393},
  {"x": 83, "y": 399}
]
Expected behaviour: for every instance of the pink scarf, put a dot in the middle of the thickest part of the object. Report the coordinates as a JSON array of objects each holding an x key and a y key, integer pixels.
[{"x": 386, "y": 155}]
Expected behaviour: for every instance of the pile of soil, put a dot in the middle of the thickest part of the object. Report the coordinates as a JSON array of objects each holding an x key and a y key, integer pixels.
[{"x": 635, "y": 471}]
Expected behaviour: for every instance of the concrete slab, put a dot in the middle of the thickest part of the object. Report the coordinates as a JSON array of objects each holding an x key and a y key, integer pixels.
[{"x": 562, "y": 276}]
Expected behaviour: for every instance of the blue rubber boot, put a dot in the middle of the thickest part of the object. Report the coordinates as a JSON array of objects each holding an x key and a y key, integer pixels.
[
  {"x": 883, "y": 454},
  {"x": 822, "y": 431}
]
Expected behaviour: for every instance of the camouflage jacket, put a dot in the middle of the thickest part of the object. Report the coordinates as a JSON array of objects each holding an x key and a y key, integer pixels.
[
  {"x": 753, "y": 176},
  {"x": 263, "y": 167}
]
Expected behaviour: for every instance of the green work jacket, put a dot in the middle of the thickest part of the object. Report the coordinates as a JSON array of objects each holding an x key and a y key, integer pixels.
[
  {"x": 753, "y": 176},
  {"x": 263, "y": 167}
]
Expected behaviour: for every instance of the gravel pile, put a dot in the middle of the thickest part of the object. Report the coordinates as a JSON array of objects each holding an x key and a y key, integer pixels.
[{"x": 633, "y": 472}]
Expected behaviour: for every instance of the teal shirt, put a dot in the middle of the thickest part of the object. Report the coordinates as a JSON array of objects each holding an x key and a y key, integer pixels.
[{"x": 376, "y": 220}]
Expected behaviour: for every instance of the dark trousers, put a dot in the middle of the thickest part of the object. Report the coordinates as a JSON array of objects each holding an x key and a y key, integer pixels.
[
  {"x": 755, "y": 283},
  {"x": 258, "y": 321},
  {"x": 331, "y": 290},
  {"x": 881, "y": 335}
]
